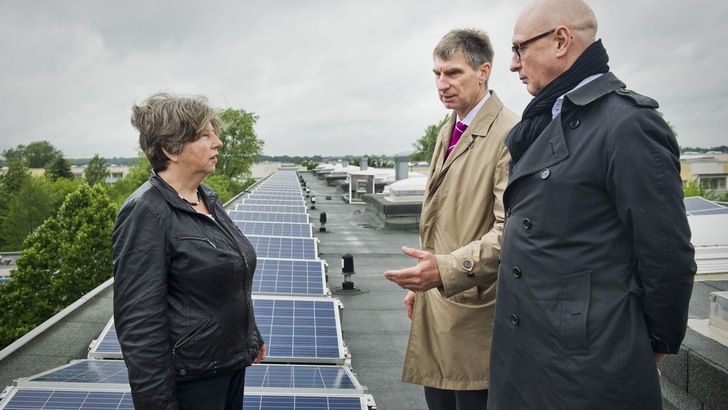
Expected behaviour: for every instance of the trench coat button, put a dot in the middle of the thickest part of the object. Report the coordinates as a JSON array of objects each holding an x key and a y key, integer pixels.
[
  {"x": 514, "y": 319},
  {"x": 574, "y": 123},
  {"x": 517, "y": 272},
  {"x": 183, "y": 372},
  {"x": 545, "y": 173},
  {"x": 527, "y": 223},
  {"x": 467, "y": 264},
  {"x": 471, "y": 274}
]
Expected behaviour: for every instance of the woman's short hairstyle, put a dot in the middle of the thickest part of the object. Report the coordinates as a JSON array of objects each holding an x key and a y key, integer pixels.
[
  {"x": 474, "y": 44},
  {"x": 165, "y": 120}
]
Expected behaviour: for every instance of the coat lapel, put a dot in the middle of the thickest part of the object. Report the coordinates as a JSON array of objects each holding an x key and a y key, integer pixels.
[
  {"x": 478, "y": 129},
  {"x": 548, "y": 149}
]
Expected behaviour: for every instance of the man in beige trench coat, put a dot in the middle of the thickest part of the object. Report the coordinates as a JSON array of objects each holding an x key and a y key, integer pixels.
[{"x": 460, "y": 232}]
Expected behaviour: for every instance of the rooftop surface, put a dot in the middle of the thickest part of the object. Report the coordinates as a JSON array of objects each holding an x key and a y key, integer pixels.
[{"x": 374, "y": 322}]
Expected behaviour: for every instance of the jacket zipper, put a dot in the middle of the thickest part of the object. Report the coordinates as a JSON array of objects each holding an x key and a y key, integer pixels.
[
  {"x": 189, "y": 335},
  {"x": 247, "y": 269},
  {"x": 245, "y": 260},
  {"x": 198, "y": 238}
]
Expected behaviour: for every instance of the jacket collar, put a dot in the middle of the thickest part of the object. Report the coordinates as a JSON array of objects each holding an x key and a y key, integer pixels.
[
  {"x": 479, "y": 128},
  {"x": 596, "y": 89},
  {"x": 173, "y": 198},
  {"x": 550, "y": 147}
]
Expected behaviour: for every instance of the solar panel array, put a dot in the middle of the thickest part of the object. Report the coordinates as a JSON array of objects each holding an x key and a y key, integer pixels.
[
  {"x": 308, "y": 365},
  {"x": 697, "y": 205}
]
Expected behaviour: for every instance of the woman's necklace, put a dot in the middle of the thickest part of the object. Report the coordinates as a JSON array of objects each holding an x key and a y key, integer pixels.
[{"x": 191, "y": 203}]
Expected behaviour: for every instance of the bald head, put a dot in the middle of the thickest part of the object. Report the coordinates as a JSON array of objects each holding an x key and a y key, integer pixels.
[
  {"x": 543, "y": 15},
  {"x": 548, "y": 38}
]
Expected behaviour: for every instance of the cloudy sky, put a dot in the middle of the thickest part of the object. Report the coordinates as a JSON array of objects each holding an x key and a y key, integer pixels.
[{"x": 328, "y": 77}]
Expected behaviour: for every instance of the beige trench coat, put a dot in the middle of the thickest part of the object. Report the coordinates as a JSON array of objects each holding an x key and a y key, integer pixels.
[{"x": 461, "y": 222}]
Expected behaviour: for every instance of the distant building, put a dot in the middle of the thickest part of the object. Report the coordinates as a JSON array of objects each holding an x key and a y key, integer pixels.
[
  {"x": 710, "y": 170},
  {"x": 116, "y": 172}
]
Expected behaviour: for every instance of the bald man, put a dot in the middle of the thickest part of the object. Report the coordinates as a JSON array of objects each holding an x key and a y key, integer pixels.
[{"x": 596, "y": 265}]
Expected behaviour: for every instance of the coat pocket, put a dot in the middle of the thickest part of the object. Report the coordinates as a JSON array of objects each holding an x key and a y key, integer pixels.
[
  {"x": 190, "y": 335},
  {"x": 574, "y": 312}
]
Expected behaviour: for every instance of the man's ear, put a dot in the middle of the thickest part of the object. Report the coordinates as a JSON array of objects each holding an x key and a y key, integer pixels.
[
  {"x": 564, "y": 40},
  {"x": 484, "y": 73}
]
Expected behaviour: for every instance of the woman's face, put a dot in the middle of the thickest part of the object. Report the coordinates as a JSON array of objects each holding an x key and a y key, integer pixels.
[{"x": 200, "y": 155}]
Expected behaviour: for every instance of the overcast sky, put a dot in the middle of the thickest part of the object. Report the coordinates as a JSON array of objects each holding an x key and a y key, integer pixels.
[{"x": 325, "y": 77}]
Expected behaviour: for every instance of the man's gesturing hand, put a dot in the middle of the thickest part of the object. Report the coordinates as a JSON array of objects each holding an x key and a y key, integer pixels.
[{"x": 419, "y": 278}]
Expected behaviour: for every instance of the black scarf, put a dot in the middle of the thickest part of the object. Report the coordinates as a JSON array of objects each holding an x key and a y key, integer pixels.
[{"x": 537, "y": 114}]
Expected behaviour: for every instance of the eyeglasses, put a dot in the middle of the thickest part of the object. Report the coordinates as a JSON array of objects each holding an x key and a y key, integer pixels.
[{"x": 518, "y": 47}]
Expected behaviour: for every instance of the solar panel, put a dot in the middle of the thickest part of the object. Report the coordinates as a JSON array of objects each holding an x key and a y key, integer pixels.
[
  {"x": 279, "y": 188},
  {"x": 279, "y": 192},
  {"x": 275, "y": 229},
  {"x": 268, "y": 217},
  {"x": 295, "y": 330},
  {"x": 284, "y": 248},
  {"x": 107, "y": 345},
  {"x": 275, "y": 195},
  {"x": 89, "y": 371},
  {"x": 261, "y": 378},
  {"x": 269, "y": 401},
  {"x": 283, "y": 201},
  {"x": 288, "y": 276},
  {"x": 266, "y": 378},
  {"x": 697, "y": 205},
  {"x": 280, "y": 185},
  {"x": 67, "y": 399},
  {"x": 78, "y": 399},
  {"x": 300, "y": 330},
  {"x": 286, "y": 209}
]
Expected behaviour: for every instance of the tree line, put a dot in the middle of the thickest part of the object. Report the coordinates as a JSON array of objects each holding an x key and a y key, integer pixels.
[{"x": 63, "y": 225}]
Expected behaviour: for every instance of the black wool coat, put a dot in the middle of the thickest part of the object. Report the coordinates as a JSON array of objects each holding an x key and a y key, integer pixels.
[{"x": 596, "y": 266}]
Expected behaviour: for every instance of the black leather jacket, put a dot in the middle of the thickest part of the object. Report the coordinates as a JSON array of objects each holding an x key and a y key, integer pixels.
[{"x": 182, "y": 292}]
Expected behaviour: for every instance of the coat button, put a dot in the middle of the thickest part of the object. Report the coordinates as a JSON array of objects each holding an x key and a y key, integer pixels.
[
  {"x": 527, "y": 223},
  {"x": 467, "y": 264},
  {"x": 514, "y": 319},
  {"x": 574, "y": 123},
  {"x": 545, "y": 173},
  {"x": 183, "y": 372},
  {"x": 517, "y": 272},
  {"x": 471, "y": 274}
]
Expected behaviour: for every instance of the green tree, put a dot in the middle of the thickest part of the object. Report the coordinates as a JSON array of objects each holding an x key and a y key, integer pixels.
[
  {"x": 36, "y": 154},
  {"x": 139, "y": 173},
  {"x": 425, "y": 146},
  {"x": 695, "y": 188},
  {"x": 37, "y": 200},
  {"x": 11, "y": 181},
  {"x": 59, "y": 167},
  {"x": 375, "y": 161},
  {"x": 96, "y": 170},
  {"x": 14, "y": 154},
  {"x": 241, "y": 146},
  {"x": 26, "y": 211},
  {"x": 60, "y": 189},
  {"x": 14, "y": 178},
  {"x": 40, "y": 153},
  {"x": 308, "y": 164},
  {"x": 224, "y": 186},
  {"x": 63, "y": 259}
]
